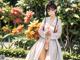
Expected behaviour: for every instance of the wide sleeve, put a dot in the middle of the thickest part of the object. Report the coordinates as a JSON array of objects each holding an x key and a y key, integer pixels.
[
  {"x": 58, "y": 33},
  {"x": 41, "y": 31}
]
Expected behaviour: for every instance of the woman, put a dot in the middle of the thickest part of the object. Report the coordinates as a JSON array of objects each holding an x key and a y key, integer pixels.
[{"x": 47, "y": 47}]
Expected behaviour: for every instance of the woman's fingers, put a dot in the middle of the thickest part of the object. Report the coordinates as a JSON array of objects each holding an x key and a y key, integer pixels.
[{"x": 48, "y": 33}]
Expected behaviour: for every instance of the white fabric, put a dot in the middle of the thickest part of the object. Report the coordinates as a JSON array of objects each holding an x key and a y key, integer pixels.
[{"x": 54, "y": 52}]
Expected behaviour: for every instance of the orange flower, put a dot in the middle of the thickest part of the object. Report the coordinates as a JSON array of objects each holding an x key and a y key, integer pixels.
[
  {"x": 29, "y": 34},
  {"x": 32, "y": 32},
  {"x": 19, "y": 28},
  {"x": 30, "y": 28},
  {"x": 14, "y": 31},
  {"x": 16, "y": 11},
  {"x": 38, "y": 25}
]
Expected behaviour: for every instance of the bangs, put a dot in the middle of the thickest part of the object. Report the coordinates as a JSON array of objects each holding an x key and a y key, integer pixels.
[{"x": 51, "y": 6}]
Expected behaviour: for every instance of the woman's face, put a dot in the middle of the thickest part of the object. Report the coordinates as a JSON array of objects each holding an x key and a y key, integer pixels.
[{"x": 51, "y": 12}]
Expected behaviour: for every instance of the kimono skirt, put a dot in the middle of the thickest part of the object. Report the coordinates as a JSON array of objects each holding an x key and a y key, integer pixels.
[{"x": 54, "y": 52}]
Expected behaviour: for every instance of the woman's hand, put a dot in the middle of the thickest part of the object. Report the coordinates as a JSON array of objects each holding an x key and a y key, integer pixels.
[{"x": 48, "y": 33}]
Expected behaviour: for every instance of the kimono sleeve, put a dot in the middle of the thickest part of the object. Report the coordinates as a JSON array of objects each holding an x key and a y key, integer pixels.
[
  {"x": 59, "y": 32},
  {"x": 41, "y": 31}
]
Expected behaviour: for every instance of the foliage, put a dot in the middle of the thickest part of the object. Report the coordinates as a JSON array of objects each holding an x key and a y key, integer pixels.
[
  {"x": 21, "y": 41},
  {"x": 23, "y": 53},
  {"x": 38, "y": 6},
  {"x": 13, "y": 52},
  {"x": 67, "y": 55},
  {"x": 69, "y": 14}
]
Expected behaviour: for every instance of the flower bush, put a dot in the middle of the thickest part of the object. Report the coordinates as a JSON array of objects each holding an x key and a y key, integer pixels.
[
  {"x": 13, "y": 19},
  {"x": 13, "y": 23}
]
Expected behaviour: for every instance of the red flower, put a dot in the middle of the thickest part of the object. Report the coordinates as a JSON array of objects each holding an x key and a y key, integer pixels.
[{"x": 17, "y": 21}]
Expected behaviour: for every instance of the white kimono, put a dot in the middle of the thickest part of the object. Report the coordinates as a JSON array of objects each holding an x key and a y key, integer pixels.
[{"x": 54, "y": 52}]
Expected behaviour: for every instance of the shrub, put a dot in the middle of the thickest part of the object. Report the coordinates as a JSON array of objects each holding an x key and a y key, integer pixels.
[{"x": 13, "y": 52}]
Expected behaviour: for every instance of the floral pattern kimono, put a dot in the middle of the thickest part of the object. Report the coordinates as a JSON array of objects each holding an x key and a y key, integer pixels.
[{"x": 54, "y": 51}]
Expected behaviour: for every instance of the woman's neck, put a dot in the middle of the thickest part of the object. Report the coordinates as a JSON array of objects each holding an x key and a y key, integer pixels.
[{"x": 52, "y": 18}]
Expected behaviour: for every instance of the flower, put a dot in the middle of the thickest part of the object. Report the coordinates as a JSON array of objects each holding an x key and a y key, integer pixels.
[
  {"x": 29, "y": 34},
  {"x": 14, "y": 31},
  {"x": 5, "y": 28},
  {"x": 19, "y": 28},
  {"x": 17, "y": 21},
  {"x": 16, "y": 11},
  {"x": 32, "y": 32},
  {"x": 26, "y": 20},
  {"x": 28, "y": 16},
  {"x": 34, "y": 23}
]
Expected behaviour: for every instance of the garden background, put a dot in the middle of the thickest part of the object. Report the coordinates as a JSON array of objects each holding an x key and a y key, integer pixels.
[{"x": 20, "y": 20}]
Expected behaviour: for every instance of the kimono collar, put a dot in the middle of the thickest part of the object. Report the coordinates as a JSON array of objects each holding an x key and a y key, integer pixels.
[{"x": 53, "y": 21}]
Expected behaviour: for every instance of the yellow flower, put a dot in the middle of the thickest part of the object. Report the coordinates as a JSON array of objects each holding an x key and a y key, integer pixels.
[
  {"x": 5, "y": 28},
  {"x": 14, "y": 31},
  {"x": 32, "y": 32}
]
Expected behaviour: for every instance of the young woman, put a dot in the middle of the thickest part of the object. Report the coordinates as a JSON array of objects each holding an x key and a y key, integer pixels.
[{"x": 47, "y": 47}]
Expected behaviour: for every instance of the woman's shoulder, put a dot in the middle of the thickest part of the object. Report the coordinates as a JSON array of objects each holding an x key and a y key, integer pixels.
[{"x": 46, "y": 18}]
